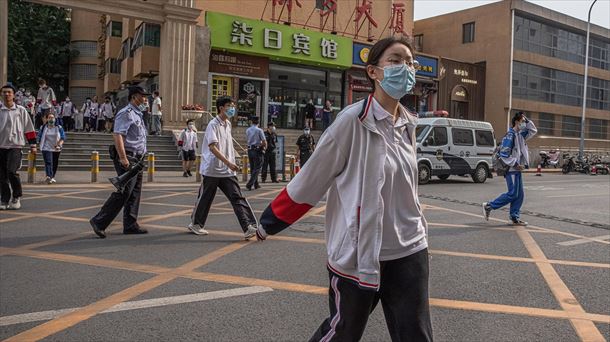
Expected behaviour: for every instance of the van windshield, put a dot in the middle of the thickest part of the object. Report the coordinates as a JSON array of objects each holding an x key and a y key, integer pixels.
[{"x": 420, "y": 132}]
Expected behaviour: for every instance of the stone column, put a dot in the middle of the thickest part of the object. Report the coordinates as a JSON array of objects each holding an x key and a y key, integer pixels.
[
  {"x": 177, "y": 65},
  {"x": 3, "y": 41}
]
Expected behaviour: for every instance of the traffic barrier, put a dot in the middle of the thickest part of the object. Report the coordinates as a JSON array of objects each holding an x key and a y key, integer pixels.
[
  {"x": 539, "y": 170},
  {"x": 31, "y": 167},
  {"x": 95, "y": 166},
  {"x": 197, "y": 166},
  {"x": 244, "y": 168},
  {"x": 151, "y": 167}
]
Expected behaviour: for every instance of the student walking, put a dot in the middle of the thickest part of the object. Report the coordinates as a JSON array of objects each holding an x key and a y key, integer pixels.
[
  {"x": 107, "y": 113},
  {"x": 188, "y": 145},
  {"x": 219, "y": 172},
  {"x": 515, "y": 154},
  {"x": 16, "y": 129},
  {"x": 51, "y": 138},
  {"x": 376, "y": 233},
  {"x": 269, "y": 158},
  {"x": 68, "y": 111},
  {"x": 156, "y": 114},
  {"x": 46, "y": 100}
]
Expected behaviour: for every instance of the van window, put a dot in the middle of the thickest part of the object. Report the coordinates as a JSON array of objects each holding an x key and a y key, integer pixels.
[
  {"x": 439, "y": 136},
  {"x": 462, "y": 137},
  {"x": 420, "y": 132},
  {"x": 484, "y": 138}
]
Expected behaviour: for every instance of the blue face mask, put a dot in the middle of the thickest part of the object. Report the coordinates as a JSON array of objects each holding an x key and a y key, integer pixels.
[
  {"x": 522, "y": 126},
  {"x": 230, "y": 112},
  {"x": 142, "y": 107},
  {"x": 397, "y": 80}
]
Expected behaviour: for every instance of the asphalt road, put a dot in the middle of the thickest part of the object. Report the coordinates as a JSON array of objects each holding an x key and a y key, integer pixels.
[{"x": 489, "y": 281}]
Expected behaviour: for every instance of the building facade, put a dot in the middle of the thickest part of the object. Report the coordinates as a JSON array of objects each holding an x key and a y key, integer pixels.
[
  {"x": 543, "y": 76},
  {"x": 271, "y": 57}
]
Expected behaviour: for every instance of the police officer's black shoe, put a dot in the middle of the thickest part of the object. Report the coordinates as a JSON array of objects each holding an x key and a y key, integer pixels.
[
  {"x": 135, "y": 229},
  {"x": 99, "y": 232},
  {"x": 274, "y": 181},
  {"x": 256, "y": 186}
]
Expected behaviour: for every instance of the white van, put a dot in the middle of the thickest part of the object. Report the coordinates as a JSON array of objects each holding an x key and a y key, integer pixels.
[{"x": 448, "y": 147}]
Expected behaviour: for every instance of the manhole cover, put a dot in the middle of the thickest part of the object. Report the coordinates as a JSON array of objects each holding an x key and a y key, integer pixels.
[{"x": 308, "y": 227}]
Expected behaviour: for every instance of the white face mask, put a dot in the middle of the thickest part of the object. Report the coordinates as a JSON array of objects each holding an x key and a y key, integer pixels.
[{"x": 191, "y": 127}]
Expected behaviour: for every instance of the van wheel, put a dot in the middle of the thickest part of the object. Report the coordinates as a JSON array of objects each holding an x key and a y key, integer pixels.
[
  {"x": 480, "y": 174},
  {"x": 443, "y": 177},
  {"x": 423, "y": 171}
]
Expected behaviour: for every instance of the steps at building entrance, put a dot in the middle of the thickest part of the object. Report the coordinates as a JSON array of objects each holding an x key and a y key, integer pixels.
[{"x": 76, "y": 154}]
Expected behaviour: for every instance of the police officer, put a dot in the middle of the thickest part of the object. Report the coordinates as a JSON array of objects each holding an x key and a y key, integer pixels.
[
  {"x": 256, "y": 148},
  {"x": 269, "y": 159},
  {"x": 129, "y": 147},
  {"x": 305, "y": 146}
]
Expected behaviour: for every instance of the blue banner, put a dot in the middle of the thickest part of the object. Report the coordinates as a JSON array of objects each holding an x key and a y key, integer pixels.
[
  {"x": 360, "y": 53},
  {"x": 428, "y": 66}
]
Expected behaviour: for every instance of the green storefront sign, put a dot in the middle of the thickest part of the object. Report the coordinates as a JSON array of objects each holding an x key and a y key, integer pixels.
[{"x": 278, "y": 42}]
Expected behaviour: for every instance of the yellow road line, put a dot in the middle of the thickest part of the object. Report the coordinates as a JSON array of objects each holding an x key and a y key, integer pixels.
[{"x": 585, "y": 329}]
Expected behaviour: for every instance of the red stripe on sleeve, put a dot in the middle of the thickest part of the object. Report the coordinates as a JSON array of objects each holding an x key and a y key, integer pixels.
[{"x": 288, "y": 210}]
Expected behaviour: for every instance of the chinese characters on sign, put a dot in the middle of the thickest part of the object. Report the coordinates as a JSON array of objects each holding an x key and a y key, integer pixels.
[
  {"x": 284, "y": 3},
  {"x": 426, "y": 68},
  {"x": 366, "y": 10},
  {"x": 460, "y": 72},
  {"x": 398, "y": 24},
  {"x": 242, "y": 34},
  {"x": 328, "y": 7}
]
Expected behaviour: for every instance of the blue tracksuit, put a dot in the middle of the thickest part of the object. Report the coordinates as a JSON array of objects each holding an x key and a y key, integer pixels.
[{"x": 514, "y": 195}]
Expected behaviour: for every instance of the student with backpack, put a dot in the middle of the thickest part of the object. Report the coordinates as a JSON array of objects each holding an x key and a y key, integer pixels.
[{"x": 510, "y": 158}]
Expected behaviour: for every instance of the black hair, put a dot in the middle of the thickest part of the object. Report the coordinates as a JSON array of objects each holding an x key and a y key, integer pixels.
[
  {"x": 88, "y": 98},
  {"x": 222, "y": 101},
  {"x": 255, "y": 120},
  {"x": 156, "y": 93},
  {"x": 270, "y": 124},
  {"x": 518, "y": 116},
  {"x": 189, "y": 121},
  {"x": 379, "y": 48},
  {"x": 107, "y": 98}
]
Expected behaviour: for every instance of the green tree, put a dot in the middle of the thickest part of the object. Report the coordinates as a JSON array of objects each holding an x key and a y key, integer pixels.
[{"x": 38, "y": 46}]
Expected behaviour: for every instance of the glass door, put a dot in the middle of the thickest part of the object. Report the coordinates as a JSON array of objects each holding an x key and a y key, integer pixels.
[
  {"x": 250, "y": 100},
  {"x": 221, "y": 86}
]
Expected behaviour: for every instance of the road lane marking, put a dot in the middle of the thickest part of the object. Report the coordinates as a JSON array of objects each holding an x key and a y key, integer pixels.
[
  {"x": 578, "y": 195},
  {"x": 581, "y": 241},
  {"x": 138, "y": 304},
  {"x": 585, "y": 329},
  {"x": 68, "y": 320}
]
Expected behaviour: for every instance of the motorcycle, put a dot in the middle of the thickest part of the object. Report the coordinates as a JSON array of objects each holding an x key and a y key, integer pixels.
[
  {"x": 600, "y": 166},
  {"x": 550, "y": 159},
  {"x": 572, "y": 164}
]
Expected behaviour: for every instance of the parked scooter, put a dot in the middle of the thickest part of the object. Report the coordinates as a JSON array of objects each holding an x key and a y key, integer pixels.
[
  {"x": 573, "y": 164},
  {"x": 600, "y": 166},
  {"x": 550, "y": 159}
]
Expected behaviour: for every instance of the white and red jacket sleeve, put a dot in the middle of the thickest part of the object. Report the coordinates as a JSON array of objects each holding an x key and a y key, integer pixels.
[{"x": 306, "y": 189}]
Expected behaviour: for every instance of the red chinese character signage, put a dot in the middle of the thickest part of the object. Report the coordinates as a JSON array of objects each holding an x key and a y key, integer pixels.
[
  {"x": 286, "y": 4},
  {"x": 364, "y": 12},
  {"x": 329, "y": 7},
  {"x": 397, "y": 20}
]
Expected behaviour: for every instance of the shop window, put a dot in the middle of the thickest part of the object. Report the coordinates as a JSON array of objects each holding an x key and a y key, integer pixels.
[
  {"x": 468, "y": 33},
  {"x": 438, "y": 137},
  {"x": 462, "y": 137},
  {"x": 570, "y": 126},
  {"x": 484, "y": 138},
  {"x": 546, "y": 124},
  {"x": 598, "y": 129}
]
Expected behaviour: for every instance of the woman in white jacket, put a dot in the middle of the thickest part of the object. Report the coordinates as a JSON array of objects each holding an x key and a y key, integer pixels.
[{"x": 376, "y": 234}]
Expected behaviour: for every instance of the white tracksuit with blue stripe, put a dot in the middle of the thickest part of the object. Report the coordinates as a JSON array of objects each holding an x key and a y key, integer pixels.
[{"x": 514, "y": 152}]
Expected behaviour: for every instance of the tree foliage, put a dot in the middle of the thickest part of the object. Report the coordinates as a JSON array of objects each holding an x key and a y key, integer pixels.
[{"x": 38, "y": 46}]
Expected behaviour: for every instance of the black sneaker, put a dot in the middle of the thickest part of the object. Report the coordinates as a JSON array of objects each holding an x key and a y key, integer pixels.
[
  {"x": 486, "y": 210},
  {"x": 517, "y": 222},
  {"x": 99, "y": 232},
  {"x": 184, "y": 174},
  {"x": 135, "y": 229},
  {"x": 189, "y": 173}
]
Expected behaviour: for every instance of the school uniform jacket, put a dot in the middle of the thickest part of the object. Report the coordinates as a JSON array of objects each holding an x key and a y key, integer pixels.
[{"x": 348, "y": 164}]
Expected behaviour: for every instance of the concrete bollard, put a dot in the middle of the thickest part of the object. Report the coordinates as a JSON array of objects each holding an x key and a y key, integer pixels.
[
  {"x": 244, "y": 168},
  {"x": 95, "y": 165},
  {"x": 151, "y": 167},
  {"x": 31, "y": 167},
  {"x": 197, "y": 167}
]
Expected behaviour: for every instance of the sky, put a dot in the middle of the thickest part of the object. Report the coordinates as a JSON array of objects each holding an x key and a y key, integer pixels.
[{"x": 574, "y": 8}]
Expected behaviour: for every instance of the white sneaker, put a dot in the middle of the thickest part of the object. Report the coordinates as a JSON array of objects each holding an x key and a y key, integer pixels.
[
  {"x": 53, "y": 181},
  {"x": 250, "y": 232},
  {"x": 48, "y": 180},
  {"x": 14, "y": 204},
  {"x": 197, "y": 229},
  {"x": 3, "y": 206}
]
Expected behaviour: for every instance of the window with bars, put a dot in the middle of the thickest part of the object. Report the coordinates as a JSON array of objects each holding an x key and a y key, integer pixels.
[
  {"x": 83, "y": 72},
  {"x": 418, "y": 40},
  {"x": 113, "y": 66},
  {"x": 79, "y": 94},
  {"x": 85, "y": 48},
  {"x": 126, "y": 51},
  {"x": 570, "y": 126},
  {"x": 546, "y": 124},
  {"x": 147, "y": 34},
  {"x": 468, "y": 33},
  {"x": 598, "y": 129}
]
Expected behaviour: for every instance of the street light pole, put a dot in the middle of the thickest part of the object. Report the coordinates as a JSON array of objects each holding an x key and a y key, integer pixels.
[{"x": 584, "y": 92}]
